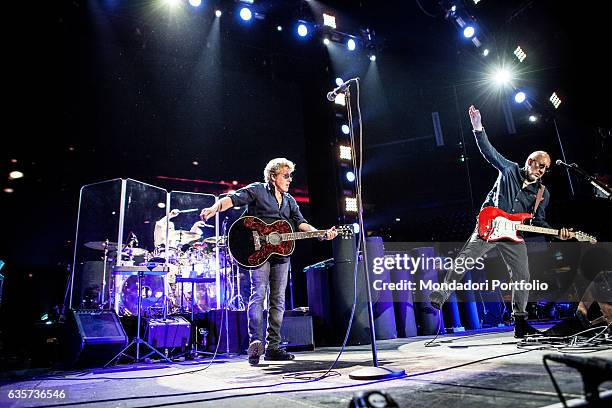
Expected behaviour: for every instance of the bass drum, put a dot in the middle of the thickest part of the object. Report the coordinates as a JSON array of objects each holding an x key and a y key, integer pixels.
[{"x": 151, "y": 292}]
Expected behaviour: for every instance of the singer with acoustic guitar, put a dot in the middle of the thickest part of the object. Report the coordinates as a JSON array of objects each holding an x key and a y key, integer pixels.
[{"x": 268, "y": 202}]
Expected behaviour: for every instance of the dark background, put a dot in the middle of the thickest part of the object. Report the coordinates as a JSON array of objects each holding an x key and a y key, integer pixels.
[{"x": 107, "y": 89}]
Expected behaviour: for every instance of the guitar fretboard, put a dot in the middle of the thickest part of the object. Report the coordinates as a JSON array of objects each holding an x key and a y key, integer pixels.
[
  {"x": 541, "y": 230},
  {"x": 292, "y": 236}
]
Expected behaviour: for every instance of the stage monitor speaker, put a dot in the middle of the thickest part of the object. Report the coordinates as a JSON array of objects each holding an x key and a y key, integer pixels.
[
  {"x": 170, "y": 333},
  {"x": 93, "y": 337},
  {"x": 296, "y": 332}
]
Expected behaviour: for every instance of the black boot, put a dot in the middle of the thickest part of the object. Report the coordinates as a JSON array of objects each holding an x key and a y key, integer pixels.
[
  {"x": 522, "y": 328},
  {"x": 278, "y": 354}
]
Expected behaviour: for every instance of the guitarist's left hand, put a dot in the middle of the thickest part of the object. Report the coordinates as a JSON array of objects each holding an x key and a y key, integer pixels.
[
  {"x": 331, "y": 234},
  {"x": 565, "y": 233}
]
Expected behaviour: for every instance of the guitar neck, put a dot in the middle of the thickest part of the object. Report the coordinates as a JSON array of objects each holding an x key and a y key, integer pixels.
[
  {"x": 540, "y": 230},
  {"x": 292, "y": 236}
]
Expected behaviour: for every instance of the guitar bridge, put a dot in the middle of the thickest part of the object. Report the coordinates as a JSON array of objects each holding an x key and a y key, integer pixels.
[{"x": 256, "y": 241}]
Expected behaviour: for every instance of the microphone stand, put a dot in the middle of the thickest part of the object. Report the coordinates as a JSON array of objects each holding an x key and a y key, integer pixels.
[{"x": 603, "y": 188}]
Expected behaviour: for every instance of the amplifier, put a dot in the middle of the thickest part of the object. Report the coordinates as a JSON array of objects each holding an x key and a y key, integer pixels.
[
  {"x": 169, "y": 333},
  {"x": 93, "y": 337}
]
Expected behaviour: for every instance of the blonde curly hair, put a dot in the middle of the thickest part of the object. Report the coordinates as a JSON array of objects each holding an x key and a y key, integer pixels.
[{"x": 275, "y": 165}]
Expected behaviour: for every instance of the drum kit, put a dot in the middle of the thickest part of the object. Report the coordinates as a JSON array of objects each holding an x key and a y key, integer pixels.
[{"x": 189, "y": 285}]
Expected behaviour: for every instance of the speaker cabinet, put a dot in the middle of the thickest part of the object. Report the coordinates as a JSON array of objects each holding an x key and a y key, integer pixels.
[{"x": 93, "y": 337}]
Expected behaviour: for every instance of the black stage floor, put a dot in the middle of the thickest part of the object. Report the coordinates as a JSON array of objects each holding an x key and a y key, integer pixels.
[{"x": 483, "y": 369}]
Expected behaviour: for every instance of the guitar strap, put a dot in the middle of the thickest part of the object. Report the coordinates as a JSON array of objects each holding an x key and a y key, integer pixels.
[{"x": 539, "y": 199}]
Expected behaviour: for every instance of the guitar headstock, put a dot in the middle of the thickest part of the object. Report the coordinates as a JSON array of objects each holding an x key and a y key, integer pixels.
[
  {"x": 582, "y": 237},
  {"x": 345, "y": 231}
]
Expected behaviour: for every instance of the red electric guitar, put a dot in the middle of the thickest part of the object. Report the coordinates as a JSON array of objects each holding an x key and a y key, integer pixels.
[
  {"x": 252, "y": 241},
  {"x": 495, "y": 224}
]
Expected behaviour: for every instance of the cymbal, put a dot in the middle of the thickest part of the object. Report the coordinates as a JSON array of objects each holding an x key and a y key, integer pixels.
[
  {"x": 101, "y": 245},
  {"x": 183, "y": 237},
  {"x": 220, "y": 240},
  {"x": 135, "y": 251}
]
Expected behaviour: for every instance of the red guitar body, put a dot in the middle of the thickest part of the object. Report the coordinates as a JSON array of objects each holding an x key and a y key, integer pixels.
[{"x": 495, "y": 224}]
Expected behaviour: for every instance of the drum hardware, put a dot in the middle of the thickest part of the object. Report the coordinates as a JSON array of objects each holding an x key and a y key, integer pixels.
[
  {"x": 105, "y": 246},
  {"x": 150, "y": 269},
  {"x": 182, "y": 237}
]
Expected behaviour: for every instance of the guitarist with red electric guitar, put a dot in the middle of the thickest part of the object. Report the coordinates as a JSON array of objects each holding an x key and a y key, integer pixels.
[
  {"x": 517, "y": 196},
  {"x": 262, "y": 241}
]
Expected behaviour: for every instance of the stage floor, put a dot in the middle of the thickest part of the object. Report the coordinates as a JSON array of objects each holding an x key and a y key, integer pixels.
[{"x": 484, "y": 369}]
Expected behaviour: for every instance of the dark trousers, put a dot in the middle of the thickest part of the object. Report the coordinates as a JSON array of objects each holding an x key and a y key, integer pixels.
[{"x": 514, "y": 255}]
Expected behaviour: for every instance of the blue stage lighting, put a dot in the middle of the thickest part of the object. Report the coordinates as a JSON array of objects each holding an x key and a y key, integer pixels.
[
  {"x": 339, "y": 81},
  {"x": 345, "y": 129},
  {"x": 468, "y": 32},
  {"x": 351, "y": 44},
  {"x": 302, "y": 30},
  {"x": 246, "y": 14},
  {"x": 195, "y": 3},
  {"x": 373, "y": 57},
  {"x": 356, "y": 227},
  {"x": 350, "y": 176},
  {"x": 519, "y": 97}
]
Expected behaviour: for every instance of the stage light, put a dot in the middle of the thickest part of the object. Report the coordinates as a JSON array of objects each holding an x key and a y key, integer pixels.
[
  {"x": 246, "y": 14},
  {"x": 13, "y": 175},
  {"x": 468, "y": 32},
  {"x": 520, "y": 54},
  {"x": 533, "y": 118},
  {"x": 339, "y": 81},
  {"x": 502, "y": 76},
  {"x": 161, "y": 205},
  {"x": 519, "y": 97},
  {"x": 485, "y": 52},
  {"x": 329, "y": 20},
  {"x": 326, "y": 41},
  {"x": 218, "y": 13},
  {"x": 555, "y": 100},
  {"x": 345, "y": 129},
  {"x": 340, "y": 99},
  {"x": 8, "y": 190},
  {"x": 172, "y": 3},
  {"x": 350, "y": 204},
  {"x": 302, "y": 30},
  {"x": 373, "y": 57},
  {"x": 350, "y": 176},
  {"x": 356, "y": 228},
  {"x": 195, "y": 163},
  {"x": 345, "y": 153},
  {"x": 279, "y": 28},
  {"x": 195, "y": 3},
  {"x": 351, "y": 44}
]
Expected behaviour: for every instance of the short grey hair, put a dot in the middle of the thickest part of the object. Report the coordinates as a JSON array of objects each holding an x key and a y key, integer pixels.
[
  {"x": 535, "y": 155},
  {"x": 273, "y": 168}
]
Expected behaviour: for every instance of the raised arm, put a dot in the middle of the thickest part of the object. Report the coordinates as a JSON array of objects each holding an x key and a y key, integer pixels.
[{"x": 486, "y": 148}]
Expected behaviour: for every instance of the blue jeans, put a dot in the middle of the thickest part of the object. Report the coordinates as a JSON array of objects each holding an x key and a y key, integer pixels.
[{"x": 272, "y": 275}]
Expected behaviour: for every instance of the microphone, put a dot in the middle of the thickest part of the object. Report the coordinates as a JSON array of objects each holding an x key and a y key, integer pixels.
[
  {"x": 331, "y": 96},
  {"x": 562, "y": 163}
]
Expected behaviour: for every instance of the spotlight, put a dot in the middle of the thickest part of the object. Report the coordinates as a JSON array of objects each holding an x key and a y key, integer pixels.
[
  {"x": 195, "y": 3},
  {"x": 172, "y": 3},
  {"x": 373, "y": 57},
  {"x": 326, "y": 41},
  {"x": 555, "y": 100},
  {"x": 356, "y": 227},
  {"x": 340, "y": 99},
  {"x": 519, "y": 97},
  {"x": 246, "y": 14},
  {"x": 350, "y": 176},
  {"x": 533, "y": 118},
  {"x": 345, "y": 153},
  {"x": 485, "y": 52},
  {"x": 279, "y": 28},
  {"x": 329, "y": 20},
  {"x": 302, "y": 30},
  {"x": 351, "y": 44},
  {"x": 339, "y": 81},
  {"x": 218, "y": 13},
  {"x": 350, "y": 204},
  {"x": 502, "y": 76},
  {"x": 15, "y": 175},
  {"x": 8, "y": 190},
  {"x": 520, "y": 54},
  {"x": 468, "y": 32},
  {"x": 161, "y": 205},
  {"x": 345, "y": 129}
]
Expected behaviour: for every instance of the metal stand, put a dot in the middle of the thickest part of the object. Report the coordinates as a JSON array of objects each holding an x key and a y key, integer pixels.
[
  {"x": 137, "y": 340},
  {"x": 103, "y": 291}
]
